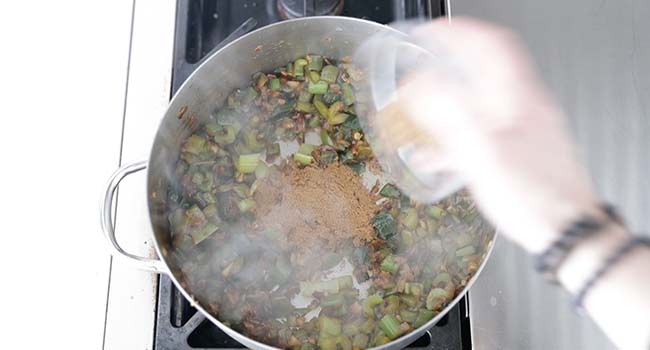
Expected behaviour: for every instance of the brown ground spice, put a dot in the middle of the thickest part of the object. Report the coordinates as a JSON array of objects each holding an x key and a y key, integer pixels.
[{"x": 316, "y": 207}]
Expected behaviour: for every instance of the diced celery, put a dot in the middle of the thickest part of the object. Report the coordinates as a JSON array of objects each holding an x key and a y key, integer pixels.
[
  {"x": 315, "y": 62},
  {"x": 329, "y": 73},
  {"x": 246, "y": 204},
  {"x": 391, "y": 326},
  {"x": 423, "y": 317},
  {"x": 389, "y": 264},
  {"x": 274, "y": 84},
  {"x": 247, "y": 163},
  {"x": 303, "y": 159},
  {"x": 319, "y": 87},
  {"x": 329, "y": 326}
]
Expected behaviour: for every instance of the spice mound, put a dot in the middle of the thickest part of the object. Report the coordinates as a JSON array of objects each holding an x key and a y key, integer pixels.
[{"x": 315, "y": 207}]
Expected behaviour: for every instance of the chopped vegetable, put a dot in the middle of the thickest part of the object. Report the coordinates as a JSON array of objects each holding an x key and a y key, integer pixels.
[
  {"x": 389, "y": 190},
  {"x": 248, "y": 163},
  {"x": 385, "y": 225},
  {"x": 329, "y": 326},
  {"x": 423, "y": 317},
  {"x": 391, "y": 326},
  {"x": 370, "y": 303},
  {"x": 299, "y": 67},
  {"x": 319, "y": 87},
  {"x": 246, "y": 205},
  {"x": 303, "y": 159},
  {"x": 329, "y": 74},
  {"x": 274, "y": 84},
  {"x": 315, "y": 62},
  {"x": 389, "y": 264}
]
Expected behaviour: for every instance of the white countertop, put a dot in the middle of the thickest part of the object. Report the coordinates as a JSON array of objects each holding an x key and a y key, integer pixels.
[{"x": 64, "y": 84}]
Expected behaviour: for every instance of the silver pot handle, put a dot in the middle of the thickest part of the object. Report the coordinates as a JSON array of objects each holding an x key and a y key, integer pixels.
[{"x": 106, "y": 215}]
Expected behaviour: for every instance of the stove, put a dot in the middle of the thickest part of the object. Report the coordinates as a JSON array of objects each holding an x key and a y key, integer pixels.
[{"x": 203, "y": 26}]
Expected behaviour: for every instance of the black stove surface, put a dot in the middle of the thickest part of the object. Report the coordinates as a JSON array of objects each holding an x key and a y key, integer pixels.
[{"x": 203, "y": 26}]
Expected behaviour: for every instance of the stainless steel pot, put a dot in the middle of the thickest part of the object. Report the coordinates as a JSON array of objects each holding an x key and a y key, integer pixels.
[{"x": 205, "y": 90}]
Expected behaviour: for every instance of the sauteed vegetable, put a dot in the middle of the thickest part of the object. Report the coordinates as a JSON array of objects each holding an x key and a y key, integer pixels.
[{"x": 254, "y": 278}]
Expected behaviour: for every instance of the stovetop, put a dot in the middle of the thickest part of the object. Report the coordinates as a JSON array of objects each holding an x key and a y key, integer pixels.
[{"x": 203, "y": 26}]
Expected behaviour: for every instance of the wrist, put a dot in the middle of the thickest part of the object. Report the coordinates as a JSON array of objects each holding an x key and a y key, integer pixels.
[{"x": 586, "y": 257}]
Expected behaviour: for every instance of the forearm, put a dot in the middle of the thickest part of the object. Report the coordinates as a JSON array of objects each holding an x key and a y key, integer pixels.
[{"x": 619, "y": 301}]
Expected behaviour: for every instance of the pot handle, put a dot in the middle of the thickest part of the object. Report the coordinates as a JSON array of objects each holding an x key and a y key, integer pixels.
[{"x": 106, "y": 215}]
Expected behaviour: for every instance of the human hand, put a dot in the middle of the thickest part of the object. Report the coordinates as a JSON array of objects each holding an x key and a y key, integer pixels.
[{"x": 499, "y": 129}]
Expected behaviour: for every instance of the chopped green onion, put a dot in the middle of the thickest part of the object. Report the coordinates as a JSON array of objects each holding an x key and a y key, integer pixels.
[
  {"x": 317, "y": 88},
  {"x": 391, "y": 327},
  {"x": 329, "y": 74},
  {"x": 248, "y": 163},
  {"x": 389, "y": 264},
  {"x": 246, "y": 204},
  {"x": 423, "y": 317},
  {"x": 274, "y": 84}
]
